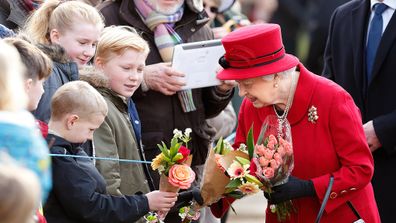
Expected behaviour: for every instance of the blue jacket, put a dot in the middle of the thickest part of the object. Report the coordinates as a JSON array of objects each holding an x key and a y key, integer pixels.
[{"x": 21, "y": 139}]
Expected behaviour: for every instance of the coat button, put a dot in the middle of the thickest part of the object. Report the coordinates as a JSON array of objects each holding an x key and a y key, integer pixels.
[
  {"x": 343, "y": 192},
  {"x": 352, "y": 189},
  {"x": 192, "y": 29},
  {"x": 333, "y": 195},
  {"x": 136, "y": 122}
]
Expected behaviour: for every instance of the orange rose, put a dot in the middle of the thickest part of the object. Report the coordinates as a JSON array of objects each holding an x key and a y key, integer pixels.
[{"x": 181, "y": 176}]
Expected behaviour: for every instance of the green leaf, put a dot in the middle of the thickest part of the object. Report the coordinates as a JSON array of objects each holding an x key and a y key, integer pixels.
[
  {"x": 217, "y": 147},
  {"x": 253, "y": 179},
  {"x": 242, "y": 161},
  {"x": 234, "y": 183},
  {"x": 177, "y": 157},
  {"x": 164, "y": 149},
  {"x": 236, "y": 194},
  {"x": 167, "y": 159},
  {"x": 250, "y": 142},
  {"x": 174, "y": 149},
  {"x": 174, "y": 141}
]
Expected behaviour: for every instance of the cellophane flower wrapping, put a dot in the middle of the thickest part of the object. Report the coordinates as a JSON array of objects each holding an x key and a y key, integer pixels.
[{"x": 273, "y": 160}]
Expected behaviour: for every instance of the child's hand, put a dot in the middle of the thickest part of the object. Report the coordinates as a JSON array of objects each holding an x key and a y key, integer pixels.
[{"x": 161, "y": 201}]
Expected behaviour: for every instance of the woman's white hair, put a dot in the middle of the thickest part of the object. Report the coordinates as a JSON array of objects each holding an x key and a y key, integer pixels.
[{"x": 282, "y": 75}]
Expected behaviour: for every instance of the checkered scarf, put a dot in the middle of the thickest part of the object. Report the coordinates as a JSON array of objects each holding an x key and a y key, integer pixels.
[
  {"x": 165, "y": 38},
  {"x": 162, "y": 26}
]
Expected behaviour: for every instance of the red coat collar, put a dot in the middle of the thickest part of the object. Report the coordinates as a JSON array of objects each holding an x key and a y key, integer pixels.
[{"x": 302, "y": 98}]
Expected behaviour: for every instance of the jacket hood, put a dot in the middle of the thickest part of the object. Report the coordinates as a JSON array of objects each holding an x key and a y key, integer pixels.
[
  {"x": 55, "y": 52},
  {"x": 94, "y": 77}
]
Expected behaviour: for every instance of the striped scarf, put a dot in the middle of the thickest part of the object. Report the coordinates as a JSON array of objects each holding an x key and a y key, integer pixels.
[{"x": 165, "y": 38}]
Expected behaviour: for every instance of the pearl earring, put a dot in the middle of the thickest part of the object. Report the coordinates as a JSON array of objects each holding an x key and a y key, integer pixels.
[{"x": 276, "y": 85}]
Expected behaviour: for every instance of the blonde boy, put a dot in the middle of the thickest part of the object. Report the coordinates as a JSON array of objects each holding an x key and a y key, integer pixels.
[
  {"x": 79, "y": 192},
  {"x": 121, "y": 56}
]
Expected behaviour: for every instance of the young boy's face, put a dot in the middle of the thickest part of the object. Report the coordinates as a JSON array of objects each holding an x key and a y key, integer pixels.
[
  {"x": 125, "y": 71},
  {"x": 34, "y": 90},
  {"x": 82, "y": 130}
]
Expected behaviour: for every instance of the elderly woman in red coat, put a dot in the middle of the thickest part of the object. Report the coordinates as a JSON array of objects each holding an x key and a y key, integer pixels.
[{"x": 328, "y": 143}]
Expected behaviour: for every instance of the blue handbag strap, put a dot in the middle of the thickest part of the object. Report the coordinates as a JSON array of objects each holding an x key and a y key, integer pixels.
[{"x": 325, "y": 199}]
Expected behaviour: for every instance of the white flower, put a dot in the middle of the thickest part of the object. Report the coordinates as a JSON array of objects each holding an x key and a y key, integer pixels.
[
  {"x": 236, "y": 170},
  {"x": 161, "y": 169},
  {"x": 177, "y": 134},
  {"x": 273, "y": 208},
  {"x": 242, "y": 147},
  {"x": 187, "y": 132}
]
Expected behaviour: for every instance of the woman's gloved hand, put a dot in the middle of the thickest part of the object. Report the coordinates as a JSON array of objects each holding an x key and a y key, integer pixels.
[
  {"x": 185, "y": 197},
  {"x": 294, "y": 188}
]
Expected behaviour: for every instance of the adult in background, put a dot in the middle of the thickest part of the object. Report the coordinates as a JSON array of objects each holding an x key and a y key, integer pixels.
[
  {"x": 360, "y": 56},
  {"x": 159, "y": 100},
  {"x": 13, "y": 13}
]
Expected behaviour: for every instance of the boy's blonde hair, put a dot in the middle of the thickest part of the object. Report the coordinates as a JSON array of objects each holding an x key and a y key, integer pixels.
[
  {"x": 60, "y": 15},
  {"x": 19, "y": 194},
  {"x": 118, "y": 39},
  {"x": 38, "y": 63},
  {"x": 77, "y": 97},
  {"x": 12, "y": 91}
]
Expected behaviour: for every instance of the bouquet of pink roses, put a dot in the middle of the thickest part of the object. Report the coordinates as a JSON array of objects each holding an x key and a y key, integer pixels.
[{"x": 272, "y": 161}]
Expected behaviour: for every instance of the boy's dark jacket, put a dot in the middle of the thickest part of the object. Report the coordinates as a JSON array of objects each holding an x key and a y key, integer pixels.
[{"x": 79, "y": 191}]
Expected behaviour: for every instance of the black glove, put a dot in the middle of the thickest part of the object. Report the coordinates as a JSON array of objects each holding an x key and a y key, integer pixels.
[
  {"x": 294, "y": 188},
  {"x": 185, "y": 197}
]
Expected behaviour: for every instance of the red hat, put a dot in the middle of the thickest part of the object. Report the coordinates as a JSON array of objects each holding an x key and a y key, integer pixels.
[{"x": 254, "y": 51}]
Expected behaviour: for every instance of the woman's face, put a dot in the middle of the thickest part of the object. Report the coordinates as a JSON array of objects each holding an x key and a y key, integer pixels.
[{"x": 261, "y": 92}]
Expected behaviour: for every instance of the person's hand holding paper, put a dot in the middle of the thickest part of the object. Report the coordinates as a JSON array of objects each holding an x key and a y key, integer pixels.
[{"x": 163, "y": 78}]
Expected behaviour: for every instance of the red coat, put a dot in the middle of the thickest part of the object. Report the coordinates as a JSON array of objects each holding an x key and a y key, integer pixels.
[{"x": 334, "y": 145}]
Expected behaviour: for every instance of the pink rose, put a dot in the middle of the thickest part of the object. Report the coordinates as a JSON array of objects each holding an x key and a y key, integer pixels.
[
  {"x": 259, "y": 149},
  {"x": 271, "y": 145},
  {"x": 181, "y": 176},
  {"x": 263, "y": 161},
  {"x": 278, "y": 159},
  {"x": 268, "y": 153},
  {"x": 288, "y": 147},
  {"x": 272, "y": 142},
  {"x": 268, "y": 172},
  {"x": 281, "y": 150},
  {"x": 274, "y": 164}
]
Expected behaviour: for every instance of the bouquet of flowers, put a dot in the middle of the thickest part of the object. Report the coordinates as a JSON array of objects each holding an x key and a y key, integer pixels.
[
  {"x": 173, "y": 165},
  {"x": 227, "y": 173},
  {"x": 272, "y": 161}
]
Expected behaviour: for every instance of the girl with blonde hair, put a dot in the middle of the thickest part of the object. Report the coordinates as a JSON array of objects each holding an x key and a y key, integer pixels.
[{"x": 68, "y": 32}]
